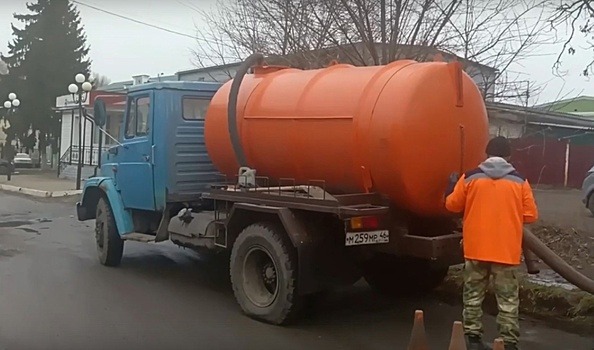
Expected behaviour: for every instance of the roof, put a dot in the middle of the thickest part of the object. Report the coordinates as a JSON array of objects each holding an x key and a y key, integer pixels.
[
  {"x": 567, "y": 100},
  {"x": 123, "y": 85},
  {"x": 208, "y": 69},
  {"x": 177, "y": 85},
  {"x": 405, "y": 47},
  {"x": 535, "y": 115}
]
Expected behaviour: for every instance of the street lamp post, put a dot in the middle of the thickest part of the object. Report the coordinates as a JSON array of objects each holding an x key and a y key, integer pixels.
[
  {"x": 10, "y": 104},
  {"x": 79, "y": 91}
]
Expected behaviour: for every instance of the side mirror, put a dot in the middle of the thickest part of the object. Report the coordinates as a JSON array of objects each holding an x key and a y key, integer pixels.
[{"x": 99, "y": 112}]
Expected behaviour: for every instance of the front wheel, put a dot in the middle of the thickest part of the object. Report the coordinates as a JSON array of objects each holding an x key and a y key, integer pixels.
[
  {"x": 264, "y": 273},
  {"x": 393, "y": 275},
  {"x": 110, "y": 247}
]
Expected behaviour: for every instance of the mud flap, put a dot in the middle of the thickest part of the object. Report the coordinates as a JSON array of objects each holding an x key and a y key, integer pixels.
[{"x": 162, "y": 232}]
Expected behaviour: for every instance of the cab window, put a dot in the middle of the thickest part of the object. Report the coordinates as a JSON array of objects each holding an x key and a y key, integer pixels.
[
  {"x": 138, "y": 121},
  {"x": 194, "y": 108}
]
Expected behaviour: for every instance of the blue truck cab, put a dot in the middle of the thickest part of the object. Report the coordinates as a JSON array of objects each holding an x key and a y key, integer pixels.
[
  {"x": 161, "y": 157},
  {"x": 282, "y": 243}
]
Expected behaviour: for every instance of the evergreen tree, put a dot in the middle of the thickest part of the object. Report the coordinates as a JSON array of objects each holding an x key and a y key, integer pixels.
[{"x": 42, "y": 61}]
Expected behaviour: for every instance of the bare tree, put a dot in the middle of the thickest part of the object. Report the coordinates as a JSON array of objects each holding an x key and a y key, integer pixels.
[
  {"x": 100, "y": 80},
  {"x": 501, "y": 34},
  {"x": 579, "y": 15},
  {"x": 311, "y": 33}
]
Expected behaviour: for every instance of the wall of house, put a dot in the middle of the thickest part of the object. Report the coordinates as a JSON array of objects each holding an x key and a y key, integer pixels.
[
  {"x": 70, "y": 136},
  {"x": 3, "y": 124},
  {"x": 498, "y": 127}
]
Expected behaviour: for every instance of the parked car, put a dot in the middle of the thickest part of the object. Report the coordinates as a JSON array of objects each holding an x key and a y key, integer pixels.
[
  {"x": 22, "y": 160},
  {"x": 4, "y": 166},
  {"x": 588, "y": 190}
]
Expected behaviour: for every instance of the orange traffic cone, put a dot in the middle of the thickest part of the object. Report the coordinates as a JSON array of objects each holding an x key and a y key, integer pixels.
[
  {"x": 418, "y": 338},
  {"x": 498, "y": 344},
  {"x": 457, "y": 342}
]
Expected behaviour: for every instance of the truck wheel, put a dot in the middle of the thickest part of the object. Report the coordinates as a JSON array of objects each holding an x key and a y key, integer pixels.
[
  {"x": 110, "y": 246},
  {"x": 263, "y": 272},
  {"x": 395, "y": 276}
]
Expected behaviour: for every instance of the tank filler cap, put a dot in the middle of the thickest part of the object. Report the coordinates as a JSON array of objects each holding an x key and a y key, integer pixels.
[{"x": 247, "y": 177}]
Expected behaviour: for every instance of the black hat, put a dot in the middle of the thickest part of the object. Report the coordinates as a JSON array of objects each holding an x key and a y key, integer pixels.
[{"x": 499, "y": 147}]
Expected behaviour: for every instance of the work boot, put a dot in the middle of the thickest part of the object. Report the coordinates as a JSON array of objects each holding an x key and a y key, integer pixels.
[
  {"x": 476, "y": 343},
  {"x": 511, "y": 346}
]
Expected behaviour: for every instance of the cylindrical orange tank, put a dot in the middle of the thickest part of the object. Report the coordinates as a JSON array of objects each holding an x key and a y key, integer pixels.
[{"x": 399, "y": 129}]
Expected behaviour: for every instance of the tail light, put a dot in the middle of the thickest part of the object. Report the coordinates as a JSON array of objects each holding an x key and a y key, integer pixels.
[{"x": 364, "y": 223}]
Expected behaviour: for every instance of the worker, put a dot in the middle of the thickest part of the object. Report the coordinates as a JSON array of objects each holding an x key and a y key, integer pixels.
[
  {"x": 496, "y": 201},
  {"x": 9, "y": 153}
]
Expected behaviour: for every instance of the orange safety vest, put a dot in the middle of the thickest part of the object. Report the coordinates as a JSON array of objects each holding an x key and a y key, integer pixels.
[{"x": 496, "y": 201}]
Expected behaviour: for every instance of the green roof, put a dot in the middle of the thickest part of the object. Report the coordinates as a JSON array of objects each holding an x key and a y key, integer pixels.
[{"x": 581, "y": 105}]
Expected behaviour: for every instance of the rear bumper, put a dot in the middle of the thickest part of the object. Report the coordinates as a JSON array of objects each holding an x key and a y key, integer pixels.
[{"x": 443, "y": 249}]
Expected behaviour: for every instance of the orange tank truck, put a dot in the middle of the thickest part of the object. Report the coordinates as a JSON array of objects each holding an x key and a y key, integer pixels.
[{"x": 399, "y": 129}]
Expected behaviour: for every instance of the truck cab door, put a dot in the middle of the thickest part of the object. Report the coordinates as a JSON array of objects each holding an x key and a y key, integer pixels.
[{"x": 134, "y": 169}]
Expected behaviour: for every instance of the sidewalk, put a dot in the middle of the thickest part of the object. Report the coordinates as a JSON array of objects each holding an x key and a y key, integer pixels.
[{"x": 38, "y": 183}]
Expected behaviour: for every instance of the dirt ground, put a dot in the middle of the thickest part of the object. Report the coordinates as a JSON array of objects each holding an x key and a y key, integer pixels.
[{"x": 567, "y": 227}]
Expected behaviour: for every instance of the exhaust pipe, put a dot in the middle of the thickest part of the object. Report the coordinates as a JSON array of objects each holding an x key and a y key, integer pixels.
[{"x": 534, "y": 246}]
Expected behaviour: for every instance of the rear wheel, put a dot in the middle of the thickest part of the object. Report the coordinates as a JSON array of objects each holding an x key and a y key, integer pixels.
[
  {"x": 110, "y": 247},
  {"x": 264, "y": 274},
  {"x": 394, "y": 275}
]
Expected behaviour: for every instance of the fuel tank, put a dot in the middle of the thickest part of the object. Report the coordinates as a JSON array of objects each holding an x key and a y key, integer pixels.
[{"x": 399, "y": 129}]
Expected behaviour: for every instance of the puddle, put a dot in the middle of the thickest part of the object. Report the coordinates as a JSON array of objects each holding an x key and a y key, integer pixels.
[
  {"x": 17, "y": 223},
  {"x": 550, "y": 278},
  {"x": 29, "y": 230},
  {"x": 14, "y": 223},
  {"x": 9, "y": 253}
]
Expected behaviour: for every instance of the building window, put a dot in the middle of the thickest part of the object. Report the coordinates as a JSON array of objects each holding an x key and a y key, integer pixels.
[{"x": 194, "y": 108}]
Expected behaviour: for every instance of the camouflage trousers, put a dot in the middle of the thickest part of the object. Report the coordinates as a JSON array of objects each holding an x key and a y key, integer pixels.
[{"x": 506, "y": 287}]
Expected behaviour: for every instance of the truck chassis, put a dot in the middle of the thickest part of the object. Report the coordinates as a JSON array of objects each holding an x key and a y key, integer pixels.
[{"x": 285, "y": 244}]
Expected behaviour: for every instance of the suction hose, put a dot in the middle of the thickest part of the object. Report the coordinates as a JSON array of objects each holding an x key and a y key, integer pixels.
[
  {"x": 254, "y": 59},
  {"x": 532, "y": 245}
]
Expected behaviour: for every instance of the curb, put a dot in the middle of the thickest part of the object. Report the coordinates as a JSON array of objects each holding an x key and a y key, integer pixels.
[{"x": 39, "y": 193}]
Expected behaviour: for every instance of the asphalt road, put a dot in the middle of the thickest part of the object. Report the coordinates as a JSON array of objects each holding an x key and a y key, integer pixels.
[{"x": 55, "y": 295}]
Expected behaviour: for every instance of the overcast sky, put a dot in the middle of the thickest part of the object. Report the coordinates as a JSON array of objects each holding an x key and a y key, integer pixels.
[{"x": 121, "y": 49}]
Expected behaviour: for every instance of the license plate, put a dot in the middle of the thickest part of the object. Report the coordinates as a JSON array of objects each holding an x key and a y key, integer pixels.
[{"x": 372, "y": 237}]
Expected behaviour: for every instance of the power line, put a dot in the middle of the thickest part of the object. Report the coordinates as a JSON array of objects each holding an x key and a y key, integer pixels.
[
  {"x": 190, "y": 6},
  {"x": 135, "y": 20}
]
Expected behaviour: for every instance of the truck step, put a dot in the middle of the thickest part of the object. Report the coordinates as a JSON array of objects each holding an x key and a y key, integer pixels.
[{"x": 139, "y": 237}]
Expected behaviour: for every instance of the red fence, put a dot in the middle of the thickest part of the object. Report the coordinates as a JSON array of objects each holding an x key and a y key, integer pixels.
[{"x": 543, "y": 161}]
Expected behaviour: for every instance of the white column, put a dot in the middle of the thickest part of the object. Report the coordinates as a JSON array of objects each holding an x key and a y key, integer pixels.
[{"x": 566, "y": 162}]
